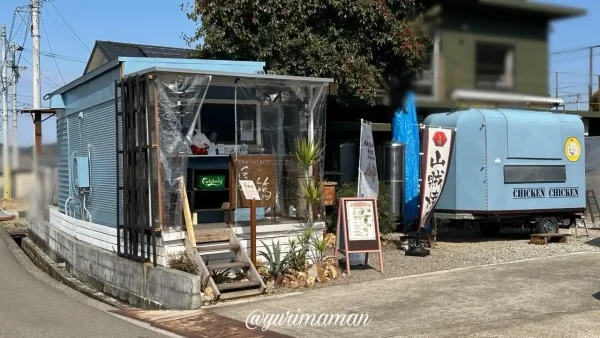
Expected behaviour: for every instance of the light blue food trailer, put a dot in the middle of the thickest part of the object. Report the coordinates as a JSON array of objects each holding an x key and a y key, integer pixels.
[{"x": 513, "y": 167}]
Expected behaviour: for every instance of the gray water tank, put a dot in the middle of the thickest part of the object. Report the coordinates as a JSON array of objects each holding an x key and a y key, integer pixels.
[
  {"x": 392, "y": 172},
  {"x": 349, "y": 161}
]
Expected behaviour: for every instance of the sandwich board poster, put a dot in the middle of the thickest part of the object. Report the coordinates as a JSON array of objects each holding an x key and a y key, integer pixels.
[
  {"x": 358, "y": 229},
  {"x": 437, "y": 146}
]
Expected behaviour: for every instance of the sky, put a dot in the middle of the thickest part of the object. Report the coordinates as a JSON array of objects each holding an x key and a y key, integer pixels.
[{"x": 70, "y": 27}]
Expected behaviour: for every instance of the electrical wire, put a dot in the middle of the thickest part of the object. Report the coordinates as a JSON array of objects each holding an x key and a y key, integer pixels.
[
  {"x": 69, "y": 26},
  {"x": 59, "y": 56},
  {"x": 47, "y": 78},
  {"x": 51, "y": 51}
]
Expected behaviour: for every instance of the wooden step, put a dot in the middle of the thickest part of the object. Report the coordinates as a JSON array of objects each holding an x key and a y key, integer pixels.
[
  {"x": 240, "y": 294},
  {"x": 238, "y": 285},
  {"x": 223, "y": 266},
  {"x": 203, "y": 250}
]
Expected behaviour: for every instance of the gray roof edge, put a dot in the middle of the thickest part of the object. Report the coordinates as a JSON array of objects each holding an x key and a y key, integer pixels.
[
  {"x": 96, "y": 72},
  {"x": 231, "y": 74}
]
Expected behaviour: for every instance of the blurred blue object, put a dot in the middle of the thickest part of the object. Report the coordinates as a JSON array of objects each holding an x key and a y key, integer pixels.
[{"x": 405, "y": 130}]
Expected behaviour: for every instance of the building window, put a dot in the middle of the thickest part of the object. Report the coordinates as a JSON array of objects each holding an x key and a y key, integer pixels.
[
  {"x": 494, "y": 69},
  {"x": 535, "y": 174},
  {"x": 219, "y": 118},
  {"x": 424, "y": 84}
]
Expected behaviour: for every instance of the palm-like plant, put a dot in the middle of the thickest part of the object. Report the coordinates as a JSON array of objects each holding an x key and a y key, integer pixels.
[
  {"x": 307, "y": 154},
  {"x": 274, "y": 260}
]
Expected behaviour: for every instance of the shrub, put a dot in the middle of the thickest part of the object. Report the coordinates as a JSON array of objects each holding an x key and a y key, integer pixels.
[
  {"x": 387, "y": 221},
  {"x": 182, "y": 261}
]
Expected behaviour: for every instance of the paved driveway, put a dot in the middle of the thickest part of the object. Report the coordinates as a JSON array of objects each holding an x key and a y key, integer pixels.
[
  {"x": 34, "y": 305},
  {"x": 552, "y": 297}
]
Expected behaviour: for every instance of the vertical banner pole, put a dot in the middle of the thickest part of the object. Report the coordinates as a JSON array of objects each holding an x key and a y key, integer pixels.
[{"x": 253, "y": 231}]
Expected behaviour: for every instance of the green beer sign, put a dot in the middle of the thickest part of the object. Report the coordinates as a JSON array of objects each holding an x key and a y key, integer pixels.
[{"x": 211, "y": 182}]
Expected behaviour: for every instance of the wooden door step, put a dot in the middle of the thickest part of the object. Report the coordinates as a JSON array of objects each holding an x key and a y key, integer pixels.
[
  {"x": 221, "y": 247},
  {"x": 240, "y": 294},
  {"x": 238, "y": 285},
  {"x": 223, "y": 266}
]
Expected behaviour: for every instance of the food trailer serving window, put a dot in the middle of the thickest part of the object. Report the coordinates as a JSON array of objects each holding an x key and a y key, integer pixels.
[{"x": 534, "y": 174}]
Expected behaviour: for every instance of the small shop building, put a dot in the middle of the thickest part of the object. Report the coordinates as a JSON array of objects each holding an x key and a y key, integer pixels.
[{"x": 126, "y": 135}]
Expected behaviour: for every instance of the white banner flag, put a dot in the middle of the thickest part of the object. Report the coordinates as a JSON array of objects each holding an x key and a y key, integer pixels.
[
  {"x": 368, "y": 182},
  {"x": 437, "y": 149}
]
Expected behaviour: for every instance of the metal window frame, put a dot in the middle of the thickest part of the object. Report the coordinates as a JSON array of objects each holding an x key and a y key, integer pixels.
[{"x": 534, "y": 167}]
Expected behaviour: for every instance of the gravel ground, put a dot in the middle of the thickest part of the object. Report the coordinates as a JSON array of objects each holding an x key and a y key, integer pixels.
[{"x": 456, "y": 248}]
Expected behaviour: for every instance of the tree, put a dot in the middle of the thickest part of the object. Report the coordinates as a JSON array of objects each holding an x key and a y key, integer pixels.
[{"x": 365, "y": 45}]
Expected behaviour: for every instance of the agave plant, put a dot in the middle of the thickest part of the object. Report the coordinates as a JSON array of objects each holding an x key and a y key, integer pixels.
[{"x": 274, "y": 260}]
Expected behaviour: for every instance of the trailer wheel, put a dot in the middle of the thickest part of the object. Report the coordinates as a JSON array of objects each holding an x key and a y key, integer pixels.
[
  {"x": 489, "y": 229},
  {"x": 547, "y": 225}
]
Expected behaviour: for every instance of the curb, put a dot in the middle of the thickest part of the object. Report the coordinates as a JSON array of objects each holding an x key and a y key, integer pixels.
[{"x": 30, "y": 254}]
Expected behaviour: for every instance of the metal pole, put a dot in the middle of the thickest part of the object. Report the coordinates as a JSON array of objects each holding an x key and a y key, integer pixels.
[
  {"x": 556, "y": 85},
  {"x": 38, "y": 206},
  {"x": 15, "y": 115},
  {"x": 35, "y": 35},
  {"x": 591, "y": 71},
  {"x": 5, "y": 146},
  {"x": 253, "y": 231}
]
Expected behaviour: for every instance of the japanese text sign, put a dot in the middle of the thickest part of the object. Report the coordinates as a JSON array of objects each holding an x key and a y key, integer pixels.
[{"x": 437, "y": 151}]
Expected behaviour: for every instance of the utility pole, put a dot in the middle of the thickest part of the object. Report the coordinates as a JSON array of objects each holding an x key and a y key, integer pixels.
[
  {"x": 39, "y": 204},
  {"x": 15, "y": 114},
  {"x": 556, "y": 86},
  {"x": 590, "y": 88},
  {"x": 35, "y": 35},
  {"x": 5, "y": 147}
]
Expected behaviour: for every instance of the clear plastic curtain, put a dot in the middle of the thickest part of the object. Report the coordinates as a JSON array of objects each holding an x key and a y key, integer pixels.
[
  {"x": 270, "y": 116},
  {"x": 179, "y": 100}
]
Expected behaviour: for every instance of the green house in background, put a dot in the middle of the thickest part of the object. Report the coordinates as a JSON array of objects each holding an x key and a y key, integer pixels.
[{"x": 480, "y": 46}]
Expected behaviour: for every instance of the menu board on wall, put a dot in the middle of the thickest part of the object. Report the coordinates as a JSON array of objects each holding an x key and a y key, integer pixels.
[{"x": 261, "y": 169}]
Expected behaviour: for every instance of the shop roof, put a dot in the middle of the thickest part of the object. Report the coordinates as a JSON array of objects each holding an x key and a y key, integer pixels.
[
  {"x": 550, "y": 11},
  {"x": 260, "y": 76}
]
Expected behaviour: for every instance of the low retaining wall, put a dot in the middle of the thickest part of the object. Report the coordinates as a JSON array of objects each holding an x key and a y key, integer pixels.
[
  {"x": 105, "y": 237},
  {"x": 142, "y": 285}
]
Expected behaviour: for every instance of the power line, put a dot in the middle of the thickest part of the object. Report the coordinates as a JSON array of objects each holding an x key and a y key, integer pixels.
[
  {"x": 51, "y": 51},
  {"x": 69, "y": 26},
  {"x": 59, "y": 56},
  {"x": 47, "y": 78},
  {"x": 574, "y": 50}
]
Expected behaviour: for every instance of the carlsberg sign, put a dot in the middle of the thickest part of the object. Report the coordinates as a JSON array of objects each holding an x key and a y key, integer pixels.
[{"x": 211, "y": 182}]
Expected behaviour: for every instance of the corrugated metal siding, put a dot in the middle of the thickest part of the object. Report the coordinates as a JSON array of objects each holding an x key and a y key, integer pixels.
[
  {"x": 98, "y": 129},
  {"x": 63, "y": 169}
]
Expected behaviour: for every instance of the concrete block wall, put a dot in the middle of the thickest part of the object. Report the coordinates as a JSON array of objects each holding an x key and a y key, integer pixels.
[{"x": 142, "y": 285}]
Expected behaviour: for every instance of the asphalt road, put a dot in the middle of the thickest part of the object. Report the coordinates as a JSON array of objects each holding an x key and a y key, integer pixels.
[
  {"x": 34, "y": 305},
  {"x": 550, "y": 297}
]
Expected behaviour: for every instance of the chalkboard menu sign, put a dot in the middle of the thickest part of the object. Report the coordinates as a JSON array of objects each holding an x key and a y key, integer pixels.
[
  {"x": 261, "y": 169},
  {"x": 358, "y": 229}
]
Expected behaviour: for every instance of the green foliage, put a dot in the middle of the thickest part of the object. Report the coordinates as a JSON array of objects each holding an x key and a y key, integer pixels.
[
  {"x": 307, "y": 152},
  {"x": 275, "y": 263},
  {"x": 319, "y": 245},
  {"x": 365, "y": 45},
  {"x": 299, "y": 249},
  {"x": 312, "y": 192},
  {"x": 387, "y": 221},
  {"x": 221, "y": 276},
  {"x": 182, "y": 261}
]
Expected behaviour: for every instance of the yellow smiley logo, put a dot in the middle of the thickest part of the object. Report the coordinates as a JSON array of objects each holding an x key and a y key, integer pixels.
[{"x": 572, "y": 149}]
